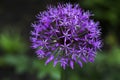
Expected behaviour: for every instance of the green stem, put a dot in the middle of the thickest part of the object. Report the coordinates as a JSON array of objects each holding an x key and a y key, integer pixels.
[{"x": 63, "y": 74}]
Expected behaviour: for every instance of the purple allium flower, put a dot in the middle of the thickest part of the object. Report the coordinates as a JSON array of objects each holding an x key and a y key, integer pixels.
[{"x": 65, "y": 34}]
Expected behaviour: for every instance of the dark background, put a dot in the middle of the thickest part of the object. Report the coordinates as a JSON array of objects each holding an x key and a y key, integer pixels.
[{"x": 19, "y": 62}]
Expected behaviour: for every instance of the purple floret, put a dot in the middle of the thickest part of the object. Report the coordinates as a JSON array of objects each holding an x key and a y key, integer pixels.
[{"x": 65, "y": 34}]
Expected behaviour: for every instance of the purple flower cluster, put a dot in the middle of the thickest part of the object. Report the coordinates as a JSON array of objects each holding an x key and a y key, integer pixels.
[{"x": 65, "y": 34}]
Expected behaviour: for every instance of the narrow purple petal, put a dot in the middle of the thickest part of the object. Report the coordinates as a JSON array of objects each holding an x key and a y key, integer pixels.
[
  {"x": 55, "y": 63},
  {"x": 80, "y": 63},
  {"x": 71, "y": 64},
  {"x": 49, "y": 59},
  {"x": 84, "y": 59}
]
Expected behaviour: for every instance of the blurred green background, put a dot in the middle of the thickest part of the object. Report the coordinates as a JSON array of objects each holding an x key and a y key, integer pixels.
[{"x": 19, "y": 62}]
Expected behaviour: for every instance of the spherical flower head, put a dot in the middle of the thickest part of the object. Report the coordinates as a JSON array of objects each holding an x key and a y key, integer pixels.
[{"x": 65, "y": 34}]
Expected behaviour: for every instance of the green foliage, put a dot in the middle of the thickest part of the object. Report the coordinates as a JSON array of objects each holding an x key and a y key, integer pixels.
[
  {"x": 45, "y": 70},
  {"x": 107, "y": 10},
  {"x": 12, "y": 43},
  {"x": 20, "y": 62},
  {"x": 114, "y": 56}
]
